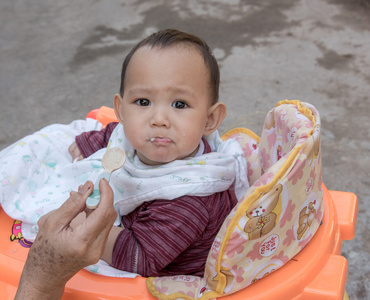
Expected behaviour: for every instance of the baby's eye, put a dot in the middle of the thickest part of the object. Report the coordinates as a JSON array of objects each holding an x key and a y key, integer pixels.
[
  {"x": 142, "y": 102},
  {"x": 179, "y": 104}
]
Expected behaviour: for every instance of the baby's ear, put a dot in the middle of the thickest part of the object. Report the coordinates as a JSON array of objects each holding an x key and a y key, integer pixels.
[
  {"x": 216, "y": 114},
  {"x": 117, "y": 105}
]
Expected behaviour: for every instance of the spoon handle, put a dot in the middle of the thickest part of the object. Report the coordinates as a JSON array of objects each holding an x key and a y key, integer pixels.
[{"x": 93, "y": 200}]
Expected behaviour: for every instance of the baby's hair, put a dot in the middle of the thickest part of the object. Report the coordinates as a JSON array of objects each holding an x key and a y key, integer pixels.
[{"x": 171, "y": 37}]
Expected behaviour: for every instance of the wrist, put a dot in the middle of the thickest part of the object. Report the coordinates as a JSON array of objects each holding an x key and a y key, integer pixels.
[{"x": 30, "y": 289}]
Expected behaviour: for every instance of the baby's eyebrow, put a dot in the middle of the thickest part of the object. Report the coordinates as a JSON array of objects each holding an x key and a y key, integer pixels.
[
  {"x": 183, "y": 91},
  {"x": 140, "y": 90}
]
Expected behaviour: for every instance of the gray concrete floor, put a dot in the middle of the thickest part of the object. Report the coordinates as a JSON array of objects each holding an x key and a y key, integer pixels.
[{"x": 60, "y": 59}]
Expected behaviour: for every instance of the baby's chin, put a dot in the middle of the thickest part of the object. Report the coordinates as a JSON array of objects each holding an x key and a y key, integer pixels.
[{"x": 155, "y": 161}]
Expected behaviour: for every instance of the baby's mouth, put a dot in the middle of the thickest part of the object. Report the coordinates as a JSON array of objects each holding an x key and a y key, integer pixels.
[{"x": 160, "y": 140}]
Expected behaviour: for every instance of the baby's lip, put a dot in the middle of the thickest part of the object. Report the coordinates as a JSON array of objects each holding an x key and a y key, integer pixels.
[{"x": 160, "y": 140}]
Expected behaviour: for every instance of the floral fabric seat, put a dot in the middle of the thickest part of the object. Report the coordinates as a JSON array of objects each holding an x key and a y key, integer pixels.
[{"x": 278, "y": 215}]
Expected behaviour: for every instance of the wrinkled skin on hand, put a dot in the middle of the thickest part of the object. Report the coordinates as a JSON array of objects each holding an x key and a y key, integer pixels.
[{"x": 60, "y": 251}]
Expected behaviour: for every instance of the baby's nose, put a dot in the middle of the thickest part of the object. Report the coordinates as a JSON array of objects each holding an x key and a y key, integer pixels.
[{"x": 160, "y": 118}]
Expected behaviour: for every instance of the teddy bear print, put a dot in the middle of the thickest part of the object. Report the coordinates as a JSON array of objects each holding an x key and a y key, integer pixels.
[
  {"x": 261, "y": 218},
  {"x": 270, "y": 120},
  {"x": 305, "y": 219}
]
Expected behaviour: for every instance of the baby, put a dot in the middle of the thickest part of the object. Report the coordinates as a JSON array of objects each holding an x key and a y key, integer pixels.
[
  {"x": 180, "y": 180},
  {"x": 168, "y": 105}
]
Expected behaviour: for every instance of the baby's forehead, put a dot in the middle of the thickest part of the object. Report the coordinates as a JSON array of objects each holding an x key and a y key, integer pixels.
[
  {"x": 179, "y": 48},
  {"x": 179, "y": 57},
  {"x": 162, "y": 57}
]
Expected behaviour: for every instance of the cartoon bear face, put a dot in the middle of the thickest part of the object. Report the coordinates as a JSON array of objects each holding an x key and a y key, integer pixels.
[
  {"x": 257, "y": 212},
  {"x": 266, "y": 204}
]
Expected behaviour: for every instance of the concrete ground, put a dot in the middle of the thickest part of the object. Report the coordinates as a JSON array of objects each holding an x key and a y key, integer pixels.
[{"x": 60, "y": 59}]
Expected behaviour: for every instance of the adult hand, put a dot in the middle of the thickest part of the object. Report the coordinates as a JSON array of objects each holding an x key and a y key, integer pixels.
[{"x": 60, "y": 251}]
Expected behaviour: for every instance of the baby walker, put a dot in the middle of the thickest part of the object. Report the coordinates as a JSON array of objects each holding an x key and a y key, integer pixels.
[{"x": 297, "y": 256}]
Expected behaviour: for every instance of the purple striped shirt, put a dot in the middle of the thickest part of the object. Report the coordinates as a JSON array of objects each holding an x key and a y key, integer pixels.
[{"x": 91, "y": 141}]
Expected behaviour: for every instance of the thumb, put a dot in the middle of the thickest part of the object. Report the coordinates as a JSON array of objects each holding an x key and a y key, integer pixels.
[
  {"x": 106, "y": 192},
  {"x": 106, "y": 197},
  {"x": 101, "y": 219}
]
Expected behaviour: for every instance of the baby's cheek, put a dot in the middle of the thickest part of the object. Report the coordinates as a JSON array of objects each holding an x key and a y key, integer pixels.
[{"x": 132, "y": 136}]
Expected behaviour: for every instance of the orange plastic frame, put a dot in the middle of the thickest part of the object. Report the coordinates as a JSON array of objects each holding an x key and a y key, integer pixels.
[{"x": 318, "y": 272}]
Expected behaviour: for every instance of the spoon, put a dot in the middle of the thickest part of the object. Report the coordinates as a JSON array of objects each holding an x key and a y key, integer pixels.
[{"x": 113, "y": 159}]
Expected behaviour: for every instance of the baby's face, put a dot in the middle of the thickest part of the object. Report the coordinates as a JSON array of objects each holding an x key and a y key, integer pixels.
[{"x": 165, "y": 105}]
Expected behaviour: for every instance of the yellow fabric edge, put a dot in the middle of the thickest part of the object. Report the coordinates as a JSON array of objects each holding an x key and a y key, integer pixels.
[
  {"x": 304, "y": 110},
  {"x": 241, "y": 130}
]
